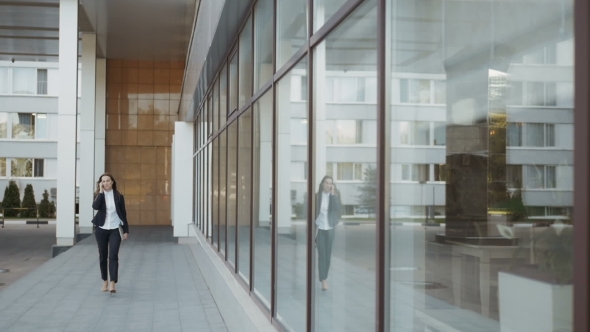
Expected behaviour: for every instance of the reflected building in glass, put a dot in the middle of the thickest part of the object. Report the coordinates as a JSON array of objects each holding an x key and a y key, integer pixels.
[{"x": 446, "y": 129}]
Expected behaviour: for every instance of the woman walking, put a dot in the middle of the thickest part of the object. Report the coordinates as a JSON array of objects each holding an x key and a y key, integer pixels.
[
  {"x": 327, "y": 216},
  {"x": 110, "y": 204}
]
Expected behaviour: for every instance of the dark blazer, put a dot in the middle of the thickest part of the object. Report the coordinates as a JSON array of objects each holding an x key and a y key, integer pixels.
[
  {"x": 334, "y": 208},
  {"x": 100, "y": 204}
]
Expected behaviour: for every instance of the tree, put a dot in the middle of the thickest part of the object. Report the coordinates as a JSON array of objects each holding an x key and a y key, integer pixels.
[
  {"x": 11, "y": 200},
  {"x": 368, "y": 191},
  {"x": 516, "y": 206},
  {"x": 29, "y": 202},
  {"x": 46, "y": 208}
]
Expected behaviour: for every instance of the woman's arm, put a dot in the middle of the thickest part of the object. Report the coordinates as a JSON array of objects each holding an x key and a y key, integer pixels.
[
  {"x": 98, "y": 201},
  {"x": 124, "y": 215}
]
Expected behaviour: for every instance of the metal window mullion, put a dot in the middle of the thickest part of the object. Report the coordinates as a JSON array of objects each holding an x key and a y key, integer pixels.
[
  {"x": 310, "y": 307},
  {"x": 383, "y": 159},
  {"x": 273, "y": 309}
]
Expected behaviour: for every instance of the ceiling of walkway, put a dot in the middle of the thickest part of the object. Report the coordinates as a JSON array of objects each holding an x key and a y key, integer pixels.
[{"x": 130, "y": 29}]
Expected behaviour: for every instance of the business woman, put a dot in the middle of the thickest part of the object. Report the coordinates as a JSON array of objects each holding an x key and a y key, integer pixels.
[
  {"x": 110, "y": 204},
  {"x": 327, "y": 216}
]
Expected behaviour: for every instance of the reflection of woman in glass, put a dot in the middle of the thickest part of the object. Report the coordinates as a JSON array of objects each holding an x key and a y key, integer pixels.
[{"x": 327, "y": 215}]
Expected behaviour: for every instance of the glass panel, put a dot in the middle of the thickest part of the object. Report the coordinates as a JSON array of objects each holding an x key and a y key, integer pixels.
[
  {"x": 41, "y": 126},
  {"x": 40, "y": 168},
  {"x": 24, "y": 80},
  {"x": 263, "y": 30},
  {"x": 232, "y": 162},
  {"x": 3, "y": 125},
  {"x": 476, "y": 260},
  {"x": 291, "y": 206},
  {"x": 324, "y": 10},
  {"x": 222, "y": 190},
  {"x": 535, "y": 134},
  {"x": 514, "y": 134},
  {"x": 344, "y": 257},
  {"x": 2, "y": 166},
  {"x": 21, "y": 167},
  {"x": 244, "y": 192},
  {"x": 209, "y": 166},
  {"x": 262, "y": 194},
  {"x": 291, "y": 28},
  {"x": 215, "y": 193},
  {"x": 4, "y": 85},
  {"x": 223, "y": 97},
  {"x": 41, "y": 81},
  {"x": 233, "y": 85},
  {"x": 215, "y": 115},
  {"x": 23, "y": 126},
  {"x": 246, "y": 63}
]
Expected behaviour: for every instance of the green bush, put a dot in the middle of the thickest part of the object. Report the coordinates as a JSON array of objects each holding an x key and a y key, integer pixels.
[
  {"x": 46, "y": 208},
  {"x": 29, "y": 203},
  {"x": 11, "y": 200}
]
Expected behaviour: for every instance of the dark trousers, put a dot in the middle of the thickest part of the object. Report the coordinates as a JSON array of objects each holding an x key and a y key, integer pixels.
[
  {"x": 324, "y": 240},
  {"x": 108, "y": 242}
]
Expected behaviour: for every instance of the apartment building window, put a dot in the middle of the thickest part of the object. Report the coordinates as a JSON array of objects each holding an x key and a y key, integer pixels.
[
  {"x": 330, "y": 169},
  {"x": 540, "y": 177},
  {"x": 24, "y": 81},
  {"x": 514, "y": 176},
  {"x": 548, "y": 211},
  {"x": 348, "y": 89},
  {"x": 298, "y": 131},
  {"x": 344, "y": 132},
  {"x": 440, "y": 133},
  {"x": 531, "y": 134},
  {"x": 441, "y": 172},
  {"x": 533, "y": 93},
  {"x": 298, "y": 170},
  {"x": 27, "y": 167},
  {"x": 39, "y": 168},
  {"x": 23, "y": 126},
  {"x": 416, "y": 172},
  {"x": 349, "y": 171},
  {"x": 414, "y": 133},
  {"x": 422, "y": 91},
  {"x": 542, "y": 56},
  {"x": 41, "y": 81},
  {"x": 415, "y": 91},
  {"x": 2, "y": 166},
  {"x": 303, "y": 85},
  {"x": 4, "y": 82},
  {"x": 3, "y": 125}
]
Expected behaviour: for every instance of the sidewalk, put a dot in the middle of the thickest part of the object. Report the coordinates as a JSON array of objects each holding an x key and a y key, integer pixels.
[{"x": 160, "y": 289}]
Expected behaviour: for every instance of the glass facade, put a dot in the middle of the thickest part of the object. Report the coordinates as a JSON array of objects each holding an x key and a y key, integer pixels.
[{"x": 395, "y": 165}]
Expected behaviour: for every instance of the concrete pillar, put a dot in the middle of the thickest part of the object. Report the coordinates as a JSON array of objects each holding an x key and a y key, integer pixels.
[
  {"x": 100, "y": 118},
  {"x": 67, "y": 117},
  {"x": 87, "y": 105}
]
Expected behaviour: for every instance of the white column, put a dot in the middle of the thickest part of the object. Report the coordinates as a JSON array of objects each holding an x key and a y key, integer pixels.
[
  {"x": 100, "y": 118},
  {"x": 66, "y": 138},
  {"x": 87, "y": 104},
  {"x": 182, "y": 178}
]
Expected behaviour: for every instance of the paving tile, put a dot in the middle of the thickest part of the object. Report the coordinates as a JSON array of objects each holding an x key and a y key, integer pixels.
[{"x": 157, "y": 291}]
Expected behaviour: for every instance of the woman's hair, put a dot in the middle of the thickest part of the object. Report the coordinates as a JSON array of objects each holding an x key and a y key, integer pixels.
[
  {"x": 320, "y": 188},
  {"x": 100, "y": 179}
]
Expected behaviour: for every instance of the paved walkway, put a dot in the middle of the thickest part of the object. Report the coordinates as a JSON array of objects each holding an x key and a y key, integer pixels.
[{"x": 160, "y": 289}]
